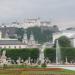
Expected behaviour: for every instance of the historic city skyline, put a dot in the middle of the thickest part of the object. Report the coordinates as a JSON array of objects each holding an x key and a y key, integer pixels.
[{"x": 60, "y": 12}]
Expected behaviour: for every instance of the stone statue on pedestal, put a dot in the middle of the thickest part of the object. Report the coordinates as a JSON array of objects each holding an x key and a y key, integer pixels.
[
  {"x": 41, "y": 57},
  {"x": 19, "y": 61},
  {"x": 3, "y": 59}
]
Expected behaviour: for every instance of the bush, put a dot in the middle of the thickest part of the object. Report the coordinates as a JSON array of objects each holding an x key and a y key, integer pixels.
[
  {"x": 43, "y": 65},
  {"x": 50, "y": 53},
  {"x": 24, "y": 54},
  {"x": 33, "y": 53},
  {"x": 65, "y": 52}
]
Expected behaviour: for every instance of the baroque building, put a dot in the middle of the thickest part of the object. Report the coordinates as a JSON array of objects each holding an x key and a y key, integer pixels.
[{"x": 15, "y": 43}]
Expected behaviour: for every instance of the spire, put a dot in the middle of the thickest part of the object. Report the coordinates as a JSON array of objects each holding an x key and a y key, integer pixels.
[
  {"x": 25, "y": 39},
  {"x": 6, "y": 35},
  {"x": 31, "y": 36},
  {"x": 32, "y": 40},
  {"x": 25, "y": 35}
]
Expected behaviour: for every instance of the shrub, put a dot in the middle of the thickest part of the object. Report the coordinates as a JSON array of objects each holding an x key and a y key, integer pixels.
[
  {"x": 24, "y": 54},
  {"x": 65, "y": 52},
  {"x": 43, "y": 65}
]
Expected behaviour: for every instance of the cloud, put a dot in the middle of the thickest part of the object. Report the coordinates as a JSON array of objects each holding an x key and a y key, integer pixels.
[{"x": 57, "y": 10}]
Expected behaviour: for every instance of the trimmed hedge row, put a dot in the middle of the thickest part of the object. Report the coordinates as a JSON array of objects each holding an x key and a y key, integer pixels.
[
  {"x": 22, "y": 53},
  {"x": 34, "y": 53},
  {"x": 65, "y": 52}
]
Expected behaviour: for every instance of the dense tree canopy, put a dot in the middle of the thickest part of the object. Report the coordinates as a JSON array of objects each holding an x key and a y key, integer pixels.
[
  {"x": 20, "y": 33},
  {"x": 64, "y": 41},
  {"x": 33, "y": 53},
  {"x": 41, "y": 34},
  {"x": 65, "y": 52}
]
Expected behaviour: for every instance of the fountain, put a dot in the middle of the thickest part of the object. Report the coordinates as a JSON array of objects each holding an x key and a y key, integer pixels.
[
  {"x": 41, "y": 57},
  {"x": 29, "y": 60},
  {"x": 58, "y": 53},
  {"x": 58, "y": 60}
]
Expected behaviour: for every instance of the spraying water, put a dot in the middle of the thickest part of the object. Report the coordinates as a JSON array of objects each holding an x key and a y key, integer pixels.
[
  {"x": 41, "y": 57},
  {"x": 58, "y": 53}
]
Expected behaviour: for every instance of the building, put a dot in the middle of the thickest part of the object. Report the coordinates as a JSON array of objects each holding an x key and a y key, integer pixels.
[
  {"x": 14, "y": 43},
  {"x": 31, "y": 22},
  {"x": 10, "y": 30},
  {"x": 68, "y": 33}
]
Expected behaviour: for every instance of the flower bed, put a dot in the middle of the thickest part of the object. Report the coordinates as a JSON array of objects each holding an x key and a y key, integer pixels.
[
  {"x": 41, "y": 69},
  {"x": 34, "y": 71}
]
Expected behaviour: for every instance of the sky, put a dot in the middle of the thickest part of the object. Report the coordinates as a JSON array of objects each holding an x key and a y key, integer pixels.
[{"x": 59, "y": 12}]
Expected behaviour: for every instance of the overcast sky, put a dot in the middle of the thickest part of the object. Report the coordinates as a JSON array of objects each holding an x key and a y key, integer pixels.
[{"x": 60, "y": 12}]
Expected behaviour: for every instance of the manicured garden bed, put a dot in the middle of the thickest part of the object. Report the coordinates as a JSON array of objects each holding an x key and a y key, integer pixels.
[
  {"x": 38, "y": 71},
  {"x": 33, "y": 70},
  {"x": 41, "y": 69}
]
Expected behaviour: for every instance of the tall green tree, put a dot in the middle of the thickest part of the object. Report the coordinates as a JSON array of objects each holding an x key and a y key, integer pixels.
[
  {"x": 40, "y": 36},
  {"x": 20, "y": 33},
  {"x": 64, "y": 41}
]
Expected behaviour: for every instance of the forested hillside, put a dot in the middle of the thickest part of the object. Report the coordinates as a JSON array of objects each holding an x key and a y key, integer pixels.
[{"x": 41, "y": 34}]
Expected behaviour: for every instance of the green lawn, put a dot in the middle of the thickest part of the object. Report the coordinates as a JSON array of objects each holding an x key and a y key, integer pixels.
[
  {"x": 21, "y": 70},
  {"x": 48, "y": 72},
  {"x": 15, "y": 72}
]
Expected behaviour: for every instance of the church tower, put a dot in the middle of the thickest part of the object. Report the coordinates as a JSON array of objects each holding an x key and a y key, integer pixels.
[
  {"x": 6, "y": 35},
  {"x": 25, "y": 39},
  {"x": 32, "y": 40}
]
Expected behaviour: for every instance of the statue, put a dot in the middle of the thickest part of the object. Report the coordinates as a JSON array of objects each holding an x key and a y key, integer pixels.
[
  {"x": 41, "y": 57},
  {"x": 3, "y": 58},
  {"x": 18, "y": 61},
  {"x": 4, "y": 53}
]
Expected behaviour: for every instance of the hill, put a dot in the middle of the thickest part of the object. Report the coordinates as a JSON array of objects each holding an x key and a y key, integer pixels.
[{"x": 41, "y": 34}]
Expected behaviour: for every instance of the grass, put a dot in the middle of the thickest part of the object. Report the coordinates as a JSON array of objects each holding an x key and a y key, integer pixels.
[
  {"x": 49, "y": 72},
  {"x": 16, "y": 72}
]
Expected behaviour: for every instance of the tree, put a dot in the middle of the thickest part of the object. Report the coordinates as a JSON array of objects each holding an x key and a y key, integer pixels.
[
  {"x": 64, "y": 41},
  {"x": 50, "y": 53},
  {"x": 40, "y": 36},
  {"x": 65, "y": 52},
  {"x": 20, "y": 33}
]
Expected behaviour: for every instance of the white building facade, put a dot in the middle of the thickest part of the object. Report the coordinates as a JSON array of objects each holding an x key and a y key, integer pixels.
[
  {"x": 14, "y": 43},
  {"x": 31, "y": 22}
]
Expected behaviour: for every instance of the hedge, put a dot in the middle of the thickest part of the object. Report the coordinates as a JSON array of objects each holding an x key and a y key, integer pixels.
[
  {"x": 65, "y": 52},
  {"x": 34, "y": 53},
  {"x": 22, "y": 53}
]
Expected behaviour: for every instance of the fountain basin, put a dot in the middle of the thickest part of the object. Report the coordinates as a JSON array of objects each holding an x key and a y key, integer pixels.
[{"x": 68, "y": 67}]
